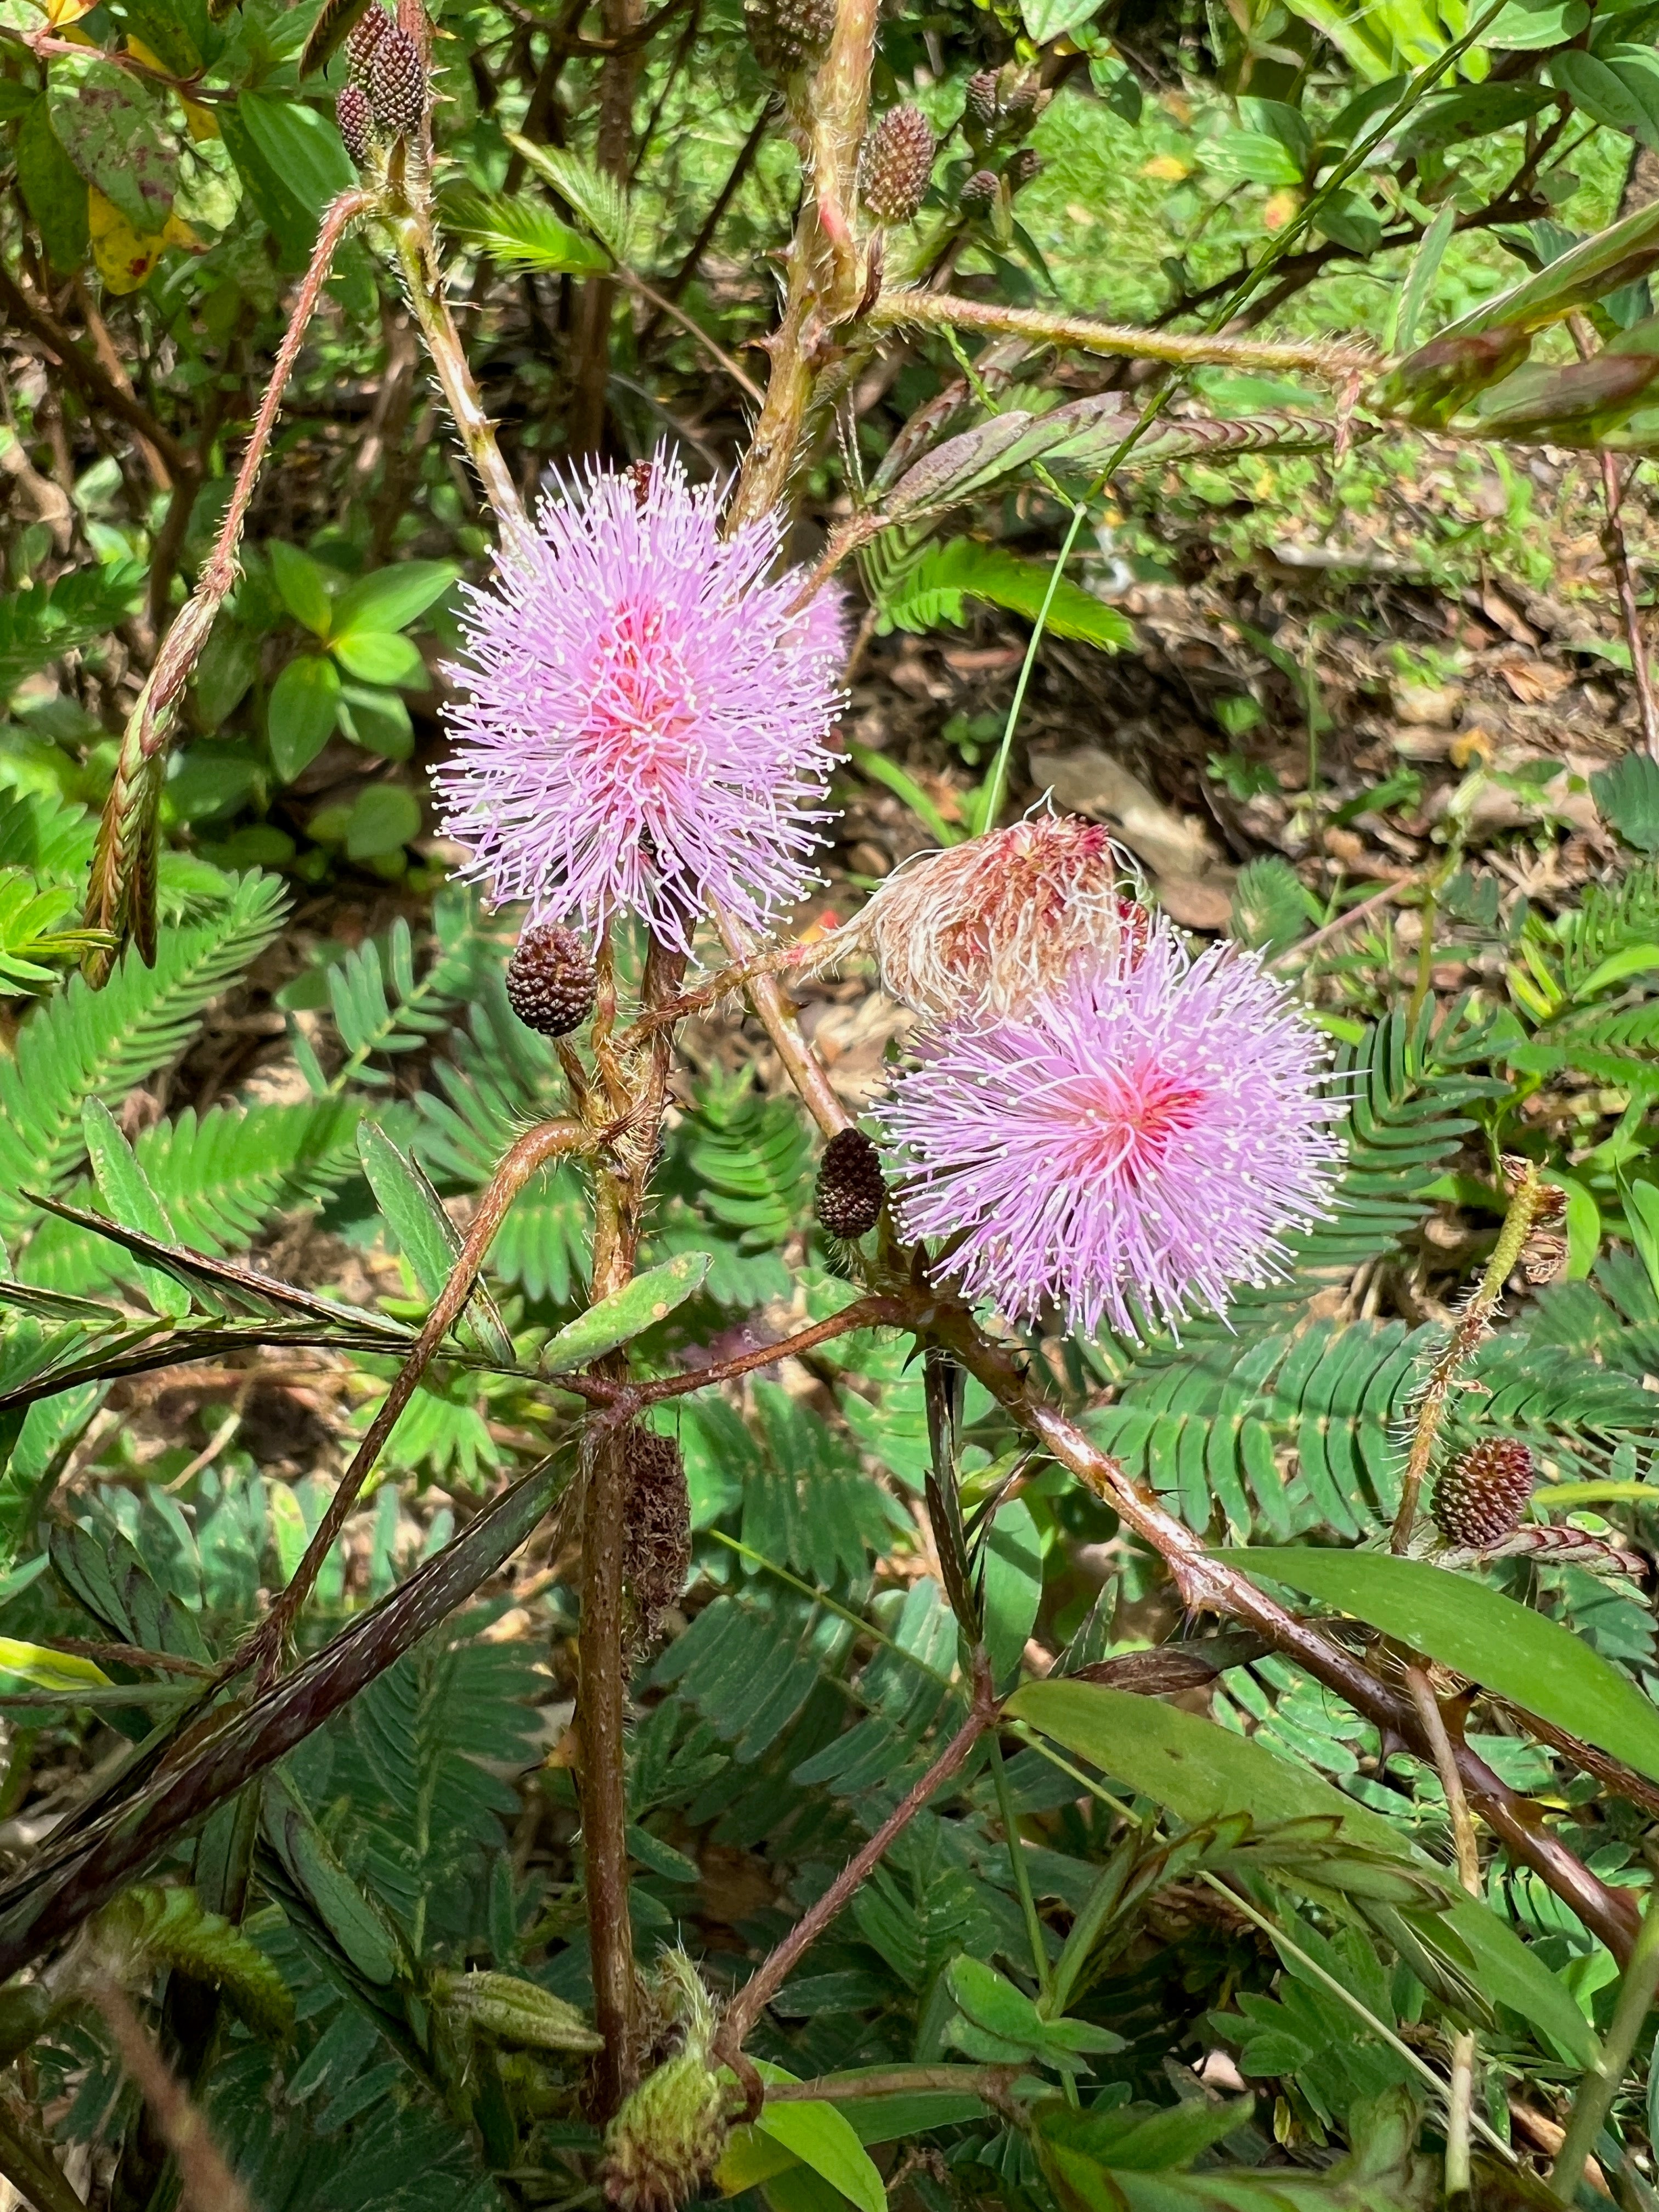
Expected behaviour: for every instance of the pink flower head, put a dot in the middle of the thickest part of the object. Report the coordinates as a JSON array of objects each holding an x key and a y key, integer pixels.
[
  {"x": 1129, "y": 1146},
  {"x": 645, "y": 724},
  {"x": 989, "y": 926}
]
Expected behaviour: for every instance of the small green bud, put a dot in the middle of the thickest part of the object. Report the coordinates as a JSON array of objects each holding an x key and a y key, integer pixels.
[
  {"x": 514, "y": 2010},
  {"x": 667, "y": 2139}
]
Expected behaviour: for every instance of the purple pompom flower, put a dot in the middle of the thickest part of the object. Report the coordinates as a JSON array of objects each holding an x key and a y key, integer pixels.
[
  {"x": 645, "y": 724},
  {"x": 1128, "y": 1146}
]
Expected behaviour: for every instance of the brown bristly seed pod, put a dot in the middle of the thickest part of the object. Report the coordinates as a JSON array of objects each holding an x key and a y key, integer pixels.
[
  {"x": 1480, "y": 1497},
  {"x": 397, "y": 82},
  {"x": 979, "y": 193},
  {"x": 550, "y": 983},
  {"x": 897, "y": 163},
  {"x": 364, "y": 36},
  {"x": 788, "y": 34},
  {"x": 850, "y": 1187},
  {"x": 658, "y": 1557},
  {"x": 356, "y": 121},
  {"x": 1022, "y": 166}
]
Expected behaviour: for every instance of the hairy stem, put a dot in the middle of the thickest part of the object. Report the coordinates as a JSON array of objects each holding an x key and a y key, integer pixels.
[
  {"x": 800, "y": 1063},
  {"x": 121, "y": 892},
  {"x": 533, "y": 1150},
  {"x": 206, "y": 2183},
  {"x": 1468, "y": 1333},
  {"x": 948, "y": 310},
  {"x": 416, "y": 252},
  {"x": 1460, "y": 2101},
  {"x": 773, "y": 1971},
  {"x": 602, "y": 1691},
  {"x": 1601, "y": 2084},
  {"x": 825, "y": 282}
]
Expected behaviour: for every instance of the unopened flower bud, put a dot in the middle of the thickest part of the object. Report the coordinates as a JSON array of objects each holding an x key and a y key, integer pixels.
[
  {"x": 515, "y": 2010},
  {"x": 788, "y": 34},
  {"x": 550, "y": 983},
  {"x": 851, "y": 1189},
  {"x": 1481, "y": 1496},
  {"x": 668, "y": 2137},
  {"x": 356, "y": 120},
  {"x": 364, "y": 36},
  {"x": 898, "y": 161},
  {"x": 979, "y": 193},
  {"x": 978, "y": 108},
  {"x": 397, "y": 82},
  {"x": 1023, "y": 166}
]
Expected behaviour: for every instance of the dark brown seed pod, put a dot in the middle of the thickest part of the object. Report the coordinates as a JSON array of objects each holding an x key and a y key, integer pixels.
[
  {"x": 550, "y": 984},
  {"x": 1482, "y": 1496},
  {"x": 898, "y": 161},
  {"x": 850, "y": 1187},
  {"x": 356, "y": 121},
  {"x": 979, "y": 106},
  {"x": 1022, "y": 166},
  {"x": 786, "y": 35},
  {"x": 658, "y": 1555},
  {"x": 397, "y": 82},
  {"x": 980, "y": 193},
  {"x": 364, "y": 36}
]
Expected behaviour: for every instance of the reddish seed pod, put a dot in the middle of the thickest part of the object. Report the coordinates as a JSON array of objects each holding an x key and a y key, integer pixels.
[
  {"x": 397, "y": 82},
  {"x": 364, "y": 36},
  {"x": 1480, "y": 1500},
  {"x": 356, "y": 121},
  {"x": 788, "y": 34},
  {"x": 979, "y": 193}
]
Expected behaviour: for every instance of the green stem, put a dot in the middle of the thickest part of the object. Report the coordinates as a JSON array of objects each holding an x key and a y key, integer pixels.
[
  {"x": 996, "y": 783},
  {"x": 1188, "y": 349},
  {"x": 1021, "y": 1872},
  {"x": 1601, "y": 2084}
]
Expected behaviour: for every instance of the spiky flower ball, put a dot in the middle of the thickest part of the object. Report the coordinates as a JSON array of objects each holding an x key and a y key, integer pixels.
[
  {"x": 788, "y": 34},
  {"x": 550, "y": 982},
  {"x": 1481, "y": 1496},
  {"x": 356, "y": 121},
  {"x": 988, "y": 925},
  {"x": 1133, "y": 1144},
  {"x": 668, "y": 2137},
  {"x": 658, "y": 1555},
  {"x": 645, "y": 724},
  {"x": 979, "y": 193},
  {"x": 896, "y": 164},
  {"x": 850, "y": 1187},
  {"x": 397, "y": 82},
  {"x": 364, "y": 37}
]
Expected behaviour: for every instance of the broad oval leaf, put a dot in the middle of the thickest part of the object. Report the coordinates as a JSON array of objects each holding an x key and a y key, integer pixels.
[
  {"x": 627, "y": 1313},
  {"x": 1521, "y": 1654},
  {"x": 380, "y": 656},
  {"x": 394, "y": 597},
  {"x": 1201, "y": 1770},
  {"x": 301, "y": 714}
]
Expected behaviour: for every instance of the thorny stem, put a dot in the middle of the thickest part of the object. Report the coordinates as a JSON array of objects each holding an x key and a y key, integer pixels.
[
  {"x": 1460, "y": 2101},
  {"x": 722, "y": 985},
  {"x": 602, "y": 1693},
  {"x": 1616, "y": 553},
  {"x": 770, "y": 1976},
  {"x": 992, "y": 2084},
  {"x": 533, "y": 1150},
  {"x": 801, "y": 1064},
  {"x": 120, "y": 896},
  {"x": 908, "y": 310},
  {"x": 873, "y": 1312},
  {"x": 826, "y": 283},
  {"x": 416, "y": 251},
  {"x": 1468, "y": 1332},
  {"x": 1599, "y": 2085},
  {"x": 206, "y": 2183}
]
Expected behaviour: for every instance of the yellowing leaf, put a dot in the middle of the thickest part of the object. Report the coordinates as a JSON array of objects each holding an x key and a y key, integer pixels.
[
  {"x": 61, "y": 13},
  {"x": 1167, "y": 168},
  {"x": 140, "y": 53},
  {"x": 1279, "y": 208},
  {"x": 201, "y": 122},
  {"x": 124, "y": 256},
  {"x": 50, "y": 1670}
]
